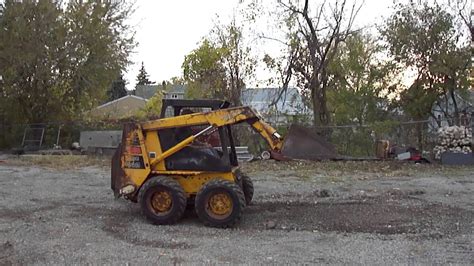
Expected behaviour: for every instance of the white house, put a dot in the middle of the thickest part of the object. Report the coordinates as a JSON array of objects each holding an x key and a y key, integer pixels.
[
  {"x": 176, "y": 92},
  {"x": 275, "y": 105},
  {"x": 148, "y": 91},
  {"x": 443, "y": 111}
]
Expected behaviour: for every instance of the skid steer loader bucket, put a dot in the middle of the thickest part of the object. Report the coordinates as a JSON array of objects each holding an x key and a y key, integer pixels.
[
  {"x": 117, "y": 173},
  {"x": 118, "y": 176},
  {"x": 305, "y": 143}
]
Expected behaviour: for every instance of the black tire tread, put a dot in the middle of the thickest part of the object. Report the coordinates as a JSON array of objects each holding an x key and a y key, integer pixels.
[
  {"x": 173, "y": 184},
  {"x": 247, "y": 187},
  {"x": 221, "y": 183}
]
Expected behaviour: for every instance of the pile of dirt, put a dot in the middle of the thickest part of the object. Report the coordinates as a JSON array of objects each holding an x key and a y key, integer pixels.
[{"x": 306, "y": 143}]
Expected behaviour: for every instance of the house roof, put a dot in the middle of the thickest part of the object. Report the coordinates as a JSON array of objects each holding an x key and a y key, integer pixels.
[
  {"x": 177, "y": 89},
  {"x": 260, "y": 99},
  {"x": 146, "y": 91},
  {"x": 121, "y": 99}
]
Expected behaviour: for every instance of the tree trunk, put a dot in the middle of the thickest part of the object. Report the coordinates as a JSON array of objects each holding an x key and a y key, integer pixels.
[
  {"x": 320, "y": 108},
  {"x": 316, "y": 104},
  {"x": 326, "y": 116},
  {"x": 456, "y": 109},
  {"x": 320, "y": 112},
  {"x": 419, "y": 129}
]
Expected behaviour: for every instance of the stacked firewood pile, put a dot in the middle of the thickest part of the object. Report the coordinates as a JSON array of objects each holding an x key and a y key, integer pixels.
[{"x": 457, "y": 139}]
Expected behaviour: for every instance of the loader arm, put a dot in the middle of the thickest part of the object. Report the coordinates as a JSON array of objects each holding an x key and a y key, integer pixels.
[{"x": 222, "y": 117}]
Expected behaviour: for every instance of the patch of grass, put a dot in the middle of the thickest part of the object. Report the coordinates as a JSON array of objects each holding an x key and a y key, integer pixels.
[{"x": 61, "y": 162}]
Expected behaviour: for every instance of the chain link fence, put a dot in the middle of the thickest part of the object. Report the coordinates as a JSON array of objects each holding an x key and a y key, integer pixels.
[
  {"x": 48, "y": 135},
  {"x": 361, "y": 140},
  {"x": 349, "y": 140}
]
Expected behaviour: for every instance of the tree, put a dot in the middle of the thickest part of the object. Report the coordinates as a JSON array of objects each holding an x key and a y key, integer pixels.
[
  {"x": 315, "y": 34},
  {"x": 25, "y": 63},
  {"x": 282, "y": 66},
  {"x": 58, "y": 61},
  {"x": 219, "y": 67},
  {"x": 117, "y": 90},
  {"x": 152, "y": 108},
  {"x": 463, "y": 10},
  {"x": 358, "y": 80},
  {"x": 100, "y": 42},
  {"x": 142, "y": 77},
  {"x": 236, "y": 59},
  {"x": 423, "y": 38},
  {"x": 204, "y": 72}
]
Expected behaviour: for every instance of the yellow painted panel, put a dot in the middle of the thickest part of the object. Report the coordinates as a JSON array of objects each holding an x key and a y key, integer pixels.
[
  {"x": 192, "y": 181},
  {"x": 136, "y": 176},
  {"x": 192, "y": 184},
  {"x": 153, "y": 145}
]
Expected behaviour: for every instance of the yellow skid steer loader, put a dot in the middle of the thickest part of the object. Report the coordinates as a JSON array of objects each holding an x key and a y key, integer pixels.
[{"x": 168, "y": 163}]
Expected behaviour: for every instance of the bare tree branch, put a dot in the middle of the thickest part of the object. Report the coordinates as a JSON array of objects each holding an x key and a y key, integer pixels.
[{"x": 320, "y": 36}]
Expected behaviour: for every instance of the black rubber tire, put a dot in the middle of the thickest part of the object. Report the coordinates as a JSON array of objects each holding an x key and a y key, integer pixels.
[
  {"x": 218, "y": 185},
  {"x": 177, "y": 194},
  {"x": 247, "y": 187}
]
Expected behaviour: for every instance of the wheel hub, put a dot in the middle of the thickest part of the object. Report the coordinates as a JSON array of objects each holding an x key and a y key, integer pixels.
[
  {"x": 161, "y": 201},
  {"x": 220, "y": 204}
]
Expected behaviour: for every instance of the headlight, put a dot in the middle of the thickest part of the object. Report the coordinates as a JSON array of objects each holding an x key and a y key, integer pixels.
[{"x": 128, "y": 189}]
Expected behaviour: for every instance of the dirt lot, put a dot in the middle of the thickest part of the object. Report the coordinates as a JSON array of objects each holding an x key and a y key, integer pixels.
[{"x": 330, "y": 212}]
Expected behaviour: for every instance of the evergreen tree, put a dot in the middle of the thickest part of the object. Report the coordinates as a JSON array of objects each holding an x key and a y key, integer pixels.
[
  {"x": 142, "y": 77},
  {"x": 117, "y": 89}
]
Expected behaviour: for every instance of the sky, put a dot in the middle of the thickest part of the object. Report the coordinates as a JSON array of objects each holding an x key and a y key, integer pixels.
[{"x": 168, "y": 30}]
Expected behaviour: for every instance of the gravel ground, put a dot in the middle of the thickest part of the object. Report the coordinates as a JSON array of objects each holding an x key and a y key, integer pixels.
[{"x": 305, "y": 213}]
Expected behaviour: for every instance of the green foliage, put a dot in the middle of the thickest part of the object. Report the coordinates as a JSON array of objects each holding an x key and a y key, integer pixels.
[
  {"x": 218, "y": 67},
  {"x": 152, "y": 108},
  {"x": 236, "y": 58},
  {"x": 425, "y": 39},
  {"x": 204, "y": 72},
  {"x": 117, "y": 90},
  {"x": 418, "y": 34},
  {"x": 418, "y": 99},
  {"x": 381, "y": 128},
  {"x": 58, "y": 60},
  {"x": 143, "y": 77},
  {"x": 313, "y": 34},
  {"x": 358, "y": 82},
  {"x": 31, "y": 40}
]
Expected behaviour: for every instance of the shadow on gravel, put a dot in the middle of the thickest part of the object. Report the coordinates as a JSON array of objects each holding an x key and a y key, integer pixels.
[
  {"x": 383, "y": 215},
  {"x": 118, "y": 224}
]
